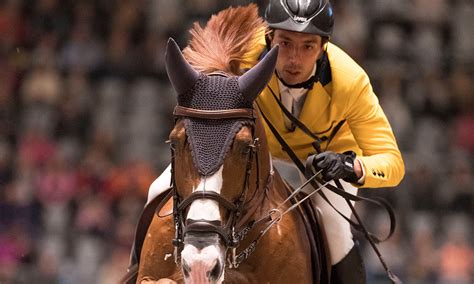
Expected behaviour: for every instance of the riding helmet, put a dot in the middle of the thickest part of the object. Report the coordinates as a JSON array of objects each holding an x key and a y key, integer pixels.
[{"x": 306, "y": 16}]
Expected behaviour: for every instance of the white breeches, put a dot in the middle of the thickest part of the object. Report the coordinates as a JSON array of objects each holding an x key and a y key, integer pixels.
[
  {"x": 160, "y": 184},
  {"x": 338, "y": 230}
]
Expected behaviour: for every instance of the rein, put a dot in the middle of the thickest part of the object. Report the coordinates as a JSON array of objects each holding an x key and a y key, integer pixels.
[
  {"x": 237, "y": 259},
  {"x": 227, "y": 232},
  {"x": 232, "y": 238},
  {"x": 339, "y": 189}
]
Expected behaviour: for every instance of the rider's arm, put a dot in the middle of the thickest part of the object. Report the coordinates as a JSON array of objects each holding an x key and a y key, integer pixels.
[{"x": 381, "y": 159}]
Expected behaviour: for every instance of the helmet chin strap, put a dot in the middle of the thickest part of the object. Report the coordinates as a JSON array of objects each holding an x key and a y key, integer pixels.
[{"x": 308, "y": 84}]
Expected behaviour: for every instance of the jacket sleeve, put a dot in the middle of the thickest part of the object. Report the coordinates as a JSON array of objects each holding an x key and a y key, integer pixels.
[{"x": 381, "y": 158}]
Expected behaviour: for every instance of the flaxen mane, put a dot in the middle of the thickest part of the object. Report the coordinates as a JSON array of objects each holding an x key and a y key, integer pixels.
[{"x": 223, "y": 42}]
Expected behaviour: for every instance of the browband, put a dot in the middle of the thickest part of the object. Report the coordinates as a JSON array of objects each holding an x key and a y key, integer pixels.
[{"x": 215, "y": 114}]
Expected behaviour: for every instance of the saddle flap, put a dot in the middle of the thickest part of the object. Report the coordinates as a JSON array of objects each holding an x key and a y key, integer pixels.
[
  {"x": 321, "y": 262},
  {"x": 144, "y": 222}
]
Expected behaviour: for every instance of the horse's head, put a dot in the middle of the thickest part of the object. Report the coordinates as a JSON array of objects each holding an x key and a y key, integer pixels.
[{"x": 213, "y": 145}]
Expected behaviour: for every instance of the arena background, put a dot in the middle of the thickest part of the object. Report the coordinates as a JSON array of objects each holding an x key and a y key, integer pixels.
[{"x": 85, "y": 108}]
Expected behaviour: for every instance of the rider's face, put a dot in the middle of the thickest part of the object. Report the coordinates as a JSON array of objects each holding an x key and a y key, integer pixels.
[{"x": 297, "y": 55}]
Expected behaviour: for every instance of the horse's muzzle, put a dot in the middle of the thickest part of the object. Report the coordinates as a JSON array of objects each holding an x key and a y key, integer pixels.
[{"x": 203, "y": 258}]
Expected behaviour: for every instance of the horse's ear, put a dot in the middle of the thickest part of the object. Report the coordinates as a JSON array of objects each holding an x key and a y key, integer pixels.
[
  {"x": 254, "y": 80},
  {"x": 180, "y": 72}
]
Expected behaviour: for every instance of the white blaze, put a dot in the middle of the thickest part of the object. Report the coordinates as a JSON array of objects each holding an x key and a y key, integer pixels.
[
  {"x": 207, "y": 209},
  {"x": 201, "y": 262}
]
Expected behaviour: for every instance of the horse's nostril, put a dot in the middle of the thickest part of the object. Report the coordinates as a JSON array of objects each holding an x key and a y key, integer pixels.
[
  {"x": 186, "y": 269},
  {"x": 215, "y": 272}
]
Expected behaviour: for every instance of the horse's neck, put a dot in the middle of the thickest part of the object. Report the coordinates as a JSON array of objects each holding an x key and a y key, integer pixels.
[{"x": 279, "y": 187}]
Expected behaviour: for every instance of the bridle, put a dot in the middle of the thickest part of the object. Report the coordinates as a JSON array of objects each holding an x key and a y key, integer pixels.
[
  {"x": 226, "y": 231},
  {"x": 230, "y": 236}
]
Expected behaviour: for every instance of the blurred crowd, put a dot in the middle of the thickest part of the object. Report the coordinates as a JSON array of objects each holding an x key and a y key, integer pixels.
[{"x": 85, "y": 109}]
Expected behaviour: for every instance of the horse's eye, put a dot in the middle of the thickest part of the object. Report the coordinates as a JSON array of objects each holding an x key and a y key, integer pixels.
[
  {"x": 173, "y": 144},
  {"x": 244, "y": 148},
  {"x": 244, "y": 151}
]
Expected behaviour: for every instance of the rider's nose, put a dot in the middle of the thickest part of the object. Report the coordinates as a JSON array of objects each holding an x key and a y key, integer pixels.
[{"x": 294, "y": 55}]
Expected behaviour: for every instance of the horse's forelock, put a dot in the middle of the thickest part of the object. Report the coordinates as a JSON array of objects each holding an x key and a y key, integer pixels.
[{"x": 222, "y": 44}]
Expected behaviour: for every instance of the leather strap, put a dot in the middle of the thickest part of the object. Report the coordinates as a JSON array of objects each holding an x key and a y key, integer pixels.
[
  {"x": 215, "y": 114},
  {"x": 140, "y": 232},
  {"x": 369, "y": 237},
  {"x": 209, "y": 195},
  {"x": 339, "y": 189},
  {"x": 314, "y": 135},
  {"x": 306, "y": 170}
]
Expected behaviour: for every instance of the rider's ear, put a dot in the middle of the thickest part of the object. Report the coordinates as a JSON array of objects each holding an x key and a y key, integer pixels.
[
  {"x": 324, "y": 46},
  {"x": 324, "y": 43}
]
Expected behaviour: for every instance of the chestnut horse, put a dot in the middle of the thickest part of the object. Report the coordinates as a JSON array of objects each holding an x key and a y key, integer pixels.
[{"x": 223, "y": 225}]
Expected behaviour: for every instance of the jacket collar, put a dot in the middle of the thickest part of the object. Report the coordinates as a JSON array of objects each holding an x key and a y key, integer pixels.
[{"x": 315, "y": 106}]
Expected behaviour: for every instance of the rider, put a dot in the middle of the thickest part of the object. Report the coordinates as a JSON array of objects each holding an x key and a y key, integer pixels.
[
  {"x": 326, "y": 90},
  {"x": 322, "y": 87}
]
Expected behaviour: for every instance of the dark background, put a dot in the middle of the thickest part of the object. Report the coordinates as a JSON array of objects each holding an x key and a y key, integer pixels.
[{"x": 85, "y": 108}]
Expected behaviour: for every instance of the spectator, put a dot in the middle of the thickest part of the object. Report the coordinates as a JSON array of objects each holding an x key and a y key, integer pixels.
[{"x": 85, "y": 107}]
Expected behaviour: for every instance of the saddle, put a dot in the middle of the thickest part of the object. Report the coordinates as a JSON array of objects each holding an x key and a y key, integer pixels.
[
  {"x": 140, "y": 232},
  {"x": 313, "y": 221}
]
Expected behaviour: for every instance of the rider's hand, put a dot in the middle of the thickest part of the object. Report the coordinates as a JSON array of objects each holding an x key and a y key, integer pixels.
[{"x": 336, "y": 166}]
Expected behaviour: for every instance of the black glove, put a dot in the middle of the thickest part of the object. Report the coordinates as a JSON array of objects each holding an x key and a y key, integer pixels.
[{"x": 336, "y": 166}]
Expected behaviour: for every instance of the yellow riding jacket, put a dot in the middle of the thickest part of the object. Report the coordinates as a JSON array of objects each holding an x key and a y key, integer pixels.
[{"x": 346, "y": 95}]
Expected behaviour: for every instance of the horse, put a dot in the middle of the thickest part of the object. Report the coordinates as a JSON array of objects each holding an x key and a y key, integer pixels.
[{"x": 222, "y": 219}]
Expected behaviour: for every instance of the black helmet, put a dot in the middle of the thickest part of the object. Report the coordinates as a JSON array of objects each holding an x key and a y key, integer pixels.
[{"x": 306, "y": 16}]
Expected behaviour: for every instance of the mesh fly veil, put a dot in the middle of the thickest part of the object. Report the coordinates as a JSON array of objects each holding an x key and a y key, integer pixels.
[{"x": 210, "y": 139}]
